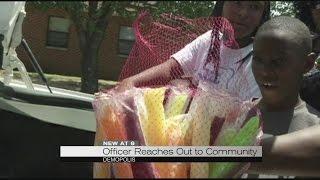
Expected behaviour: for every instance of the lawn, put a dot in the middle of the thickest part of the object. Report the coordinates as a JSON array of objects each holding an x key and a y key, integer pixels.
[{"x": 60, "y": 81}]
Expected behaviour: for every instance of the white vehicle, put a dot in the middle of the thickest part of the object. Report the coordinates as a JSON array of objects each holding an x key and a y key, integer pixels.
[{"x": 37, "y": 119}]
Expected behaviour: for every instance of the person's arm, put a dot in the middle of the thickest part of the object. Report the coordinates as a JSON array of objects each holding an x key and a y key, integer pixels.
[
  {"x": 165, "y": 71},
  {"x": 180, "y": 64},
  {"x": 294, "y": 154}
]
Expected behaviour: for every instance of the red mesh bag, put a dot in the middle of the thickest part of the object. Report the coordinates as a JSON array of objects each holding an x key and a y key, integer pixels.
[{"x": 157, "y": 39}]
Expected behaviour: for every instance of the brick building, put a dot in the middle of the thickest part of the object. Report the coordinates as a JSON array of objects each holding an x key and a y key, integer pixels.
[{"x": 54, "y": 41}]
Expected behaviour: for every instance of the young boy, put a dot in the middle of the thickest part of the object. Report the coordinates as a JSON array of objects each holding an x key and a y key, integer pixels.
[{"x": 282, "y": 53}]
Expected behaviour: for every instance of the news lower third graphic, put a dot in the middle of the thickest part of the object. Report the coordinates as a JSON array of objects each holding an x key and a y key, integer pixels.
[{"x": 130, "y": 151}]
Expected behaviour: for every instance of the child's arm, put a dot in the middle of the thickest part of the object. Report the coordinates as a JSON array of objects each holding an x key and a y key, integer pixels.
[
  {"x": 164, "y": 71},
  {"x": 180, "y": 64},
  {"x": 294, "y": 154}
]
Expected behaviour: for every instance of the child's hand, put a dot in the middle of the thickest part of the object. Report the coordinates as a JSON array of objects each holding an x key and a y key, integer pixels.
[{"x": 124, "y": 85}]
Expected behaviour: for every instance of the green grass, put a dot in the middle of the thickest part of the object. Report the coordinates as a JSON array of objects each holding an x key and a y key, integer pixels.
[{"x": 60, "y": 81}]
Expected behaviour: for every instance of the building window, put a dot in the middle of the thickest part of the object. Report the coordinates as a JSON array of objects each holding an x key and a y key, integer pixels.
[
  {"x": 126, "y": 40},
  {"x": 58, "y": 32}
]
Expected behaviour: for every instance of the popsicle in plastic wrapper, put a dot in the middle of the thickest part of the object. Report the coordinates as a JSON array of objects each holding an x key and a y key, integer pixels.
[
  {"x": 109, "y": 118},
  {"x": 245, "y": 137},
  {"x": 205, "y": 109}
]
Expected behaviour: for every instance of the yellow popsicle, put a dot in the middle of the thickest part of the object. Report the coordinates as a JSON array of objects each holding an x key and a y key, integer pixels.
[{"x": 155, "y": 125}]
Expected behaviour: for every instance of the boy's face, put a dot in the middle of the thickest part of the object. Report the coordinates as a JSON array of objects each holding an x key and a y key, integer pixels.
[{"x": 278, "y": 66}]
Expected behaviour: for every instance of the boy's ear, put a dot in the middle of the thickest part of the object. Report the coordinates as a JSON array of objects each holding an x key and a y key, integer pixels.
[{"x": 310, "y": 62}]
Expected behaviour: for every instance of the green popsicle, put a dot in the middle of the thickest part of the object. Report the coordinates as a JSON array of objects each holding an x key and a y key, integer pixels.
[{"x": 243, "y": 138}]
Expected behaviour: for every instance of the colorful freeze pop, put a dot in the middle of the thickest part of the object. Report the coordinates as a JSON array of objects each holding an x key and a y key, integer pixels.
[
  {"x": 177, "y": 103},
  {"x": 201, "y": 115},
  {"x": 112, "y": 123},
  {"x": 155, "y": 125},
  {"x": 245, "y": 137},
  {"x": 134, "y": 133}
]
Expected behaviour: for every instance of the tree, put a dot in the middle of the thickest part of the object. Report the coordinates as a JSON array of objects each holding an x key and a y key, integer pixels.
[
  {"x": 90, "y": 19},
  {"x": 284, "y": 8}
]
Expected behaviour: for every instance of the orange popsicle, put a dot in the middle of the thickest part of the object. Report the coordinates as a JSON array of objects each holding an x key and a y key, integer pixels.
[{"x": 113, "y": 130}]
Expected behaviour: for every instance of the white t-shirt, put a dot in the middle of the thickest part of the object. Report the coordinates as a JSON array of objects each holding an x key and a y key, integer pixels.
[{"x": 231, "y": 78}]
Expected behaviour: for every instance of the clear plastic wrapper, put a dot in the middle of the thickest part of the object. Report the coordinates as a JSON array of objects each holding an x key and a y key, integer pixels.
[{"x": 172, "y": 116}]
